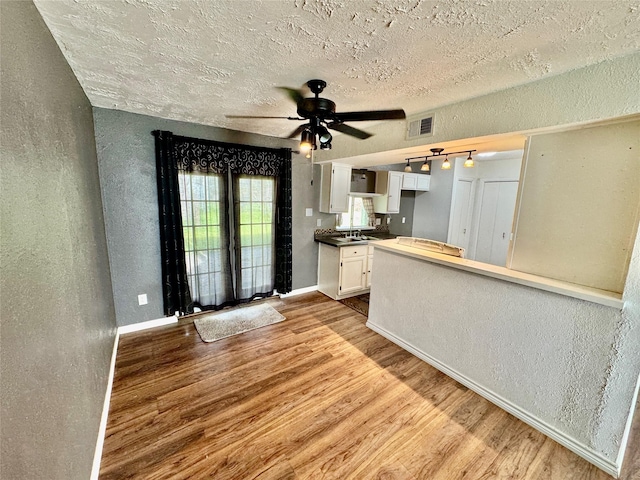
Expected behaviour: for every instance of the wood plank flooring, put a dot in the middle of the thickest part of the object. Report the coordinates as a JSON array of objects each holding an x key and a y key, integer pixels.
[{"x": 318, "y": 396}]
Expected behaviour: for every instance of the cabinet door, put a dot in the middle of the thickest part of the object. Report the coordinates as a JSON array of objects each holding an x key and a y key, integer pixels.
[
  {"x": 409, "y": 181},
  {"x": 352, "y": 274},
  {"x": 340, "y": 185},
  {"x": 369, "y": 265},
  {"x": 423, "y": 183},
  {"x": 395, "y": 185}
]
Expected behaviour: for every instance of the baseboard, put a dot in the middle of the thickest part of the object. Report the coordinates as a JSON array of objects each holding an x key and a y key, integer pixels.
[
  {"x": 610, "y": 467},
  {"x": 97, "y": 456},
  {"x": 300, "y": 291},
  {"x": 627, "y": 428},
  {"x": 136, "y": 327}
]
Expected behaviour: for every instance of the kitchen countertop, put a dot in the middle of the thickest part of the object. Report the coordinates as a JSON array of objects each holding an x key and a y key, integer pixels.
[{"x": 338, "y": 240}]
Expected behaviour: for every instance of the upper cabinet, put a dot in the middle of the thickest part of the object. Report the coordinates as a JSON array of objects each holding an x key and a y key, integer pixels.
[
  {"x": 409, "y": 181},
  {"x": 388, "y": 184},
  {"x": 335, "y": 181},
  {"x": 416, "y": 181}
]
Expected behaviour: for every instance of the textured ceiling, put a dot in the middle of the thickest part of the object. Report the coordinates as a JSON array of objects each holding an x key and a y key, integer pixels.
[{"x": 199, "y": 60}]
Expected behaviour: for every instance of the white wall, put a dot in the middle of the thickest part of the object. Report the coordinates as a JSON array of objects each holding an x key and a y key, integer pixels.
[
  {"x": 599, "y": 92},
  {"x": 563, "y": 364},
  {"x": 579, "y": 205}
]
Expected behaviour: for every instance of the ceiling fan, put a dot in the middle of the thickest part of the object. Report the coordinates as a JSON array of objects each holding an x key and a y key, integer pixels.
[{"x": 322, "y": 117}]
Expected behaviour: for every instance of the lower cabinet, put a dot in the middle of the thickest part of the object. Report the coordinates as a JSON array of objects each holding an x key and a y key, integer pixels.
[{"x": 344, "y": 271}]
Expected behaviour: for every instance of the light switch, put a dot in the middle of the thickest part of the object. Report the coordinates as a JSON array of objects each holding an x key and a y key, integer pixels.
[
  {"x": 142, "y": 299},
  {"x": 388, "y": 220},
  {"x": 309, "y": 212},
  {"x": 403, "y": 219},
  {"x": 319, "y": 222}
]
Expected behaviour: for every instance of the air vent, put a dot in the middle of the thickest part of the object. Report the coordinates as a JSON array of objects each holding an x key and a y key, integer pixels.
[{"x": 420, "y": 127}]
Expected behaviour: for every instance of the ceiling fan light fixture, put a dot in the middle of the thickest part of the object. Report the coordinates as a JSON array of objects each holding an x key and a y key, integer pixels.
[
  {"x": 469, "y": 163},
  {"x": 325, "y": 146},
  {"x": 324, "y": 136},
  {"x": 306, "y": 142},
  {"x": 446, "y": 165},
  {"x": 407, "y": 167}
]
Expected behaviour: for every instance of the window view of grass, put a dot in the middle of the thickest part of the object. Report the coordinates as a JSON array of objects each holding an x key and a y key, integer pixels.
[{"x": 205, "y": 220}]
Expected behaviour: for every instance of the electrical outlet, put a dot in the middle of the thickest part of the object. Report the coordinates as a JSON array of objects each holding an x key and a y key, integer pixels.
[
  {"x": 319, "y": 222},
  {"x": 388, "y": 220},
  {"x": 378, "y": 221},
  {"x": 142, "y": 299}
]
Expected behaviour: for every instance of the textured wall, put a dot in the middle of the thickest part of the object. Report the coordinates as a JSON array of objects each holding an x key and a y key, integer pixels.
[
  {"x": 599, "y": 92},
  {"x": 126, "y": 156},
  {"x": 432, "y": 208},
  {"x": 568, "y": 362},
  {"x": 579, "y": 205},
  {"x": 58, "y": 321}
]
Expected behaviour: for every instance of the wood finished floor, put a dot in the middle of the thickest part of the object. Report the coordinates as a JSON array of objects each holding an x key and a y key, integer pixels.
[{"x": 316, "y": 396}]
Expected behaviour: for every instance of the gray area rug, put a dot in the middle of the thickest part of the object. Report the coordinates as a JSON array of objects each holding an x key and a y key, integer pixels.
[{"x": 215, "y": 326}]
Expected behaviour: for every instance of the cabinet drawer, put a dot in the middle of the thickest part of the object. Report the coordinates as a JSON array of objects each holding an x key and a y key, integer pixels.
[{"x": 353, "y": 251}]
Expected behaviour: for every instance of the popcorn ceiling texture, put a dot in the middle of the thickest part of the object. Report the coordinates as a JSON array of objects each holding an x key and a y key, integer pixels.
[{"x": 199, "y": 60}]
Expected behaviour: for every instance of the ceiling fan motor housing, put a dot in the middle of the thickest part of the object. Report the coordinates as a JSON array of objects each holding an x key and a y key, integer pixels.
[{"x": 316, "y": 107}]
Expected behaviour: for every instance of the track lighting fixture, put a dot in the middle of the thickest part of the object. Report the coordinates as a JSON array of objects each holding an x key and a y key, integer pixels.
[
  {"x": 468, "y": 163},
  {"x": 439, "y": 152},
  {"x": 407, "y": 167}
]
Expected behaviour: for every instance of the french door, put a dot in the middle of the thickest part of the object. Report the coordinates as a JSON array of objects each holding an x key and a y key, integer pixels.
[{"x": 229, "y": 252}]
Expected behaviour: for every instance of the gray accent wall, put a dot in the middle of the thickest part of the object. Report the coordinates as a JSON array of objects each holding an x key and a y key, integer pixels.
[
  {"x": 432, "y": 208},
  {"x": 126, "y": 156},
  {"x": 57, "y": 325}
]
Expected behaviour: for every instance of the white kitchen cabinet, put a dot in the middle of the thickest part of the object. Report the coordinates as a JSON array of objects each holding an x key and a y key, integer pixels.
[
  {"x": 409, "y": 181},
  {"x": 423, "y": 182},
  {"x": 344, "y": 271},
  {"x": 388, "y": 184},
  {"x": 335, "y": 182},
  {"x": 416, "y": 181},
  {"x": 369, "y": 265}
]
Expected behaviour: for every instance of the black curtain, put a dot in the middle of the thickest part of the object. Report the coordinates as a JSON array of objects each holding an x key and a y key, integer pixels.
[
  {"x": 175, "y": 287},
  {"x": 175, "y": 152},
  {"x": 284, "y": 248}
]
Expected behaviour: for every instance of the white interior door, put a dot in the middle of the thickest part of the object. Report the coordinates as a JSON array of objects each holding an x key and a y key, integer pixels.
[
  {"x": 496, "y": 219},
  {"x": 460, "y": 218}
]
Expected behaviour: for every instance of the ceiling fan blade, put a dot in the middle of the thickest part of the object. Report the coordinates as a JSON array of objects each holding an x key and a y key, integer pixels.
[
  {"x": 297, "y": 131},
  {"x": 258, "y": 116},
  {"x": 370, "y": 115},
  {"x": 347, "y": 130},
  {"x": 294, "y": 94}
]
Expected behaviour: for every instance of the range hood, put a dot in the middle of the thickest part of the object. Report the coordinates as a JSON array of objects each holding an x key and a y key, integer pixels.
[{"x": 363, "y": 183}]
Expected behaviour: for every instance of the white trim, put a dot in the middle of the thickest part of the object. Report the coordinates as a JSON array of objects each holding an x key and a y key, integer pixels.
[
  {"x": 299, "y": 291},
  {"x": 102, "y": 429},
  {"x": 610, "y": 467},
  {"x": 627, "y": 429},
  {"x": 136, "y": 327}
]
